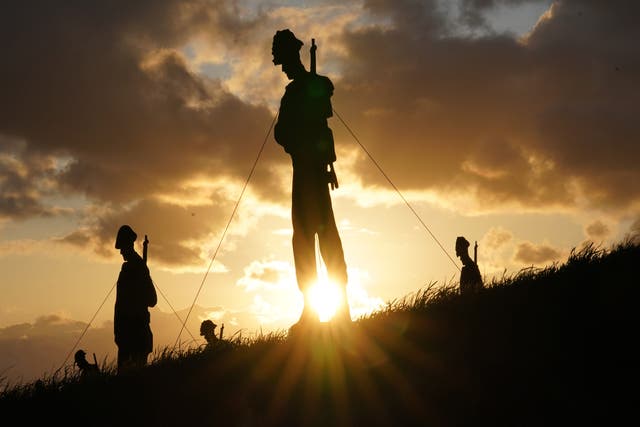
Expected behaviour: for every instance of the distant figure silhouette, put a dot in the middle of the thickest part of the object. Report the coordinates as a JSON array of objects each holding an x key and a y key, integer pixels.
[
  {"x": 208, "y": 331},
  {"x": 470, "y": 278},
  {"x": 303, "y": 132},
  {"x": 86, "y": 368},
  {"x": 135, "y": 293}
]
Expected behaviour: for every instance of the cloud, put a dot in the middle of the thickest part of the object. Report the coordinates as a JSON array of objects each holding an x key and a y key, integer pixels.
[
  {"x": 272, "y": 275},
  {"x": 497, "y": 237},
  {"x": 122, "y": 108},
  {"x": 25, "y": 182},
  {"x": 361, "y": 302},
  {"x": 22, "y": 246},
  {"x": 472, "y": 12},
  {"x": 546, "y": 123},
  {"x": 634, "y": 230},
  {"x": 529, "y": 253},
  {"x": 29, "y": 351},
  {"x": 179, "y": 236},
  {"x": 138, "y": 119},
  {"x": 271, "y": 312},
  {"x": 129, "y": 121},
  {"x": 597, "y": 230},
  {"x": 496, "y": 251}
]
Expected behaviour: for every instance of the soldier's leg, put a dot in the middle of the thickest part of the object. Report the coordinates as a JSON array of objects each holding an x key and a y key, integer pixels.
[
  {"x": 333, "y": 256},
  {"x": 140, "y": 358},
  {"x": 125, "y": 359},
  {"x": 304, "y": 215},
  {"x": 304, "y": 256}
]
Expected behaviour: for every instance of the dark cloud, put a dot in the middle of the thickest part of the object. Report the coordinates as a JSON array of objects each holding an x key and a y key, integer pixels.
[
  {"x": 420, "y": 17},
  {"x": 597, "y": 230},
  {"x": 109, "y": 90},
  {"x": 531, "y": 254},
  {"x": 46, "y": 325},
  {"x": 544, "y": 122},
  {"x": 104, "y": 86},
  {"x": 24, "y": 182},
  {"x": 29, "y": 351},
  {"x": 473, "y": 12},
  {"x": 173, "y": 229}
]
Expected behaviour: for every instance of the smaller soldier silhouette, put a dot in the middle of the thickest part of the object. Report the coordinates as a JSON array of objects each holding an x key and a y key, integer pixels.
[
  {"x": 135, "y": 293},
  {"x": 86, "y": 368},
  {"x": 470, "y": 278},
  {"x": 208, "y": 331}
]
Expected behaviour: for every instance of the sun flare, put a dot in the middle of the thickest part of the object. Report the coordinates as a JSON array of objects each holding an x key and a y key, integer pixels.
[{"x": 325, "y": 298}]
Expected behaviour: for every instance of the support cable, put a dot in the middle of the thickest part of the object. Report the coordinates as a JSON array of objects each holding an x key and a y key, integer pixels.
[
  {"x": 224, "y": 233},
  {"x": 174, "y": 310},
  {"x": 85, "y": 329},
  {"x": 96, "y": 313},
  {"x": 396, "y": 189}
]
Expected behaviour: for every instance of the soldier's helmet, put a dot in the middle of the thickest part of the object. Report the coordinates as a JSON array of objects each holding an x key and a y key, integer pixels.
[
  {"x": 125, "y": 237},
  {"x": 207, "y": 327},
  {"x": 462, "y": 243},
  {"x": 80, "y": 357},
  {"x": 285, "y": 46}
]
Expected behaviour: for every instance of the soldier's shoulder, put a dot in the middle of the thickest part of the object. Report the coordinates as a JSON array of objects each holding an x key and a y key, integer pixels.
[
  {"x": 291, "y": 85},
  {"x": 323, "y": 81},
  {"x": 319, "y": 86},
  {"x": 136, "y": 263}
]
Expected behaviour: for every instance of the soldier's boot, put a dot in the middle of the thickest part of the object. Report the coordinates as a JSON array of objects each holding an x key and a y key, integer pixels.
[
  {"x": 343, "y": 314},
  {"x": 308, "y": 319}
]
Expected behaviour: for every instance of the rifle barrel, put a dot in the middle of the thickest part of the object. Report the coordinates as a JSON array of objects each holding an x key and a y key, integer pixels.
[
  {"x": 145, "y": 244},
  {"x": 475, "y": 252},
  {"x": 312, "y": 50}
]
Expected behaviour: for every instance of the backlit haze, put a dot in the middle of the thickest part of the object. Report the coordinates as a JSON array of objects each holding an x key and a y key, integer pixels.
[{"x": 513, "y": 123}]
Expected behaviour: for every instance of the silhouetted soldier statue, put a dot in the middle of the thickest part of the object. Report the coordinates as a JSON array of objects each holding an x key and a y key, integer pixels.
[
  {"x": 470, "y": 278},
  {"x": 303, "y": 132},
  {"x": 208, "y": 331},
  {"x": 135, "y": 293},
  {"x": 86, "y": 368}
]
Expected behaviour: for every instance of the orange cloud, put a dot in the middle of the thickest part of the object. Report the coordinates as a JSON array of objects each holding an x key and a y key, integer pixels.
[{"x": 531, "y": 254}]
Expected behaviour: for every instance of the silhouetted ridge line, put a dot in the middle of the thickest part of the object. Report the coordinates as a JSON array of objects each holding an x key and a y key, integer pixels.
[
  {"x": 224, "y": 233},
  {"x": 548, "y": 346},
  {"x": 396, "y": 188}
]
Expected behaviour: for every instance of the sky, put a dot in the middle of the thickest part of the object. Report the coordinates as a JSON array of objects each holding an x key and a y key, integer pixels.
[{"x": 510, "y": 122}]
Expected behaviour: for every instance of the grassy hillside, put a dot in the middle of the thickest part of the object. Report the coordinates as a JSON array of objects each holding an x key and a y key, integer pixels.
[{"x": 542, "y": 347}]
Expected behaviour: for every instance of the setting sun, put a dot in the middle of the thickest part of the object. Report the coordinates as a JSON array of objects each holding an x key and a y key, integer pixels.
[{"x": 325, "y": 299}]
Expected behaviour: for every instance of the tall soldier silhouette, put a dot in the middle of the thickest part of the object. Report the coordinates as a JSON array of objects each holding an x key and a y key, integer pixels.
[
  {"x": 303, "y": 132},
  {"x": 135, "y": 293}
]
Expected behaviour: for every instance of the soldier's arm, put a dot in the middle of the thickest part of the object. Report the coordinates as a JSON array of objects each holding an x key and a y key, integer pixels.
[
  {"x": 332, "y": 177},
  {"x": 148, "y": 288},
  {"x": 326, "y": 111},
  {"x": 282, "y": 136},
  {"x": 283, "y": 131},
  {"x": 153, "y": 296}
]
